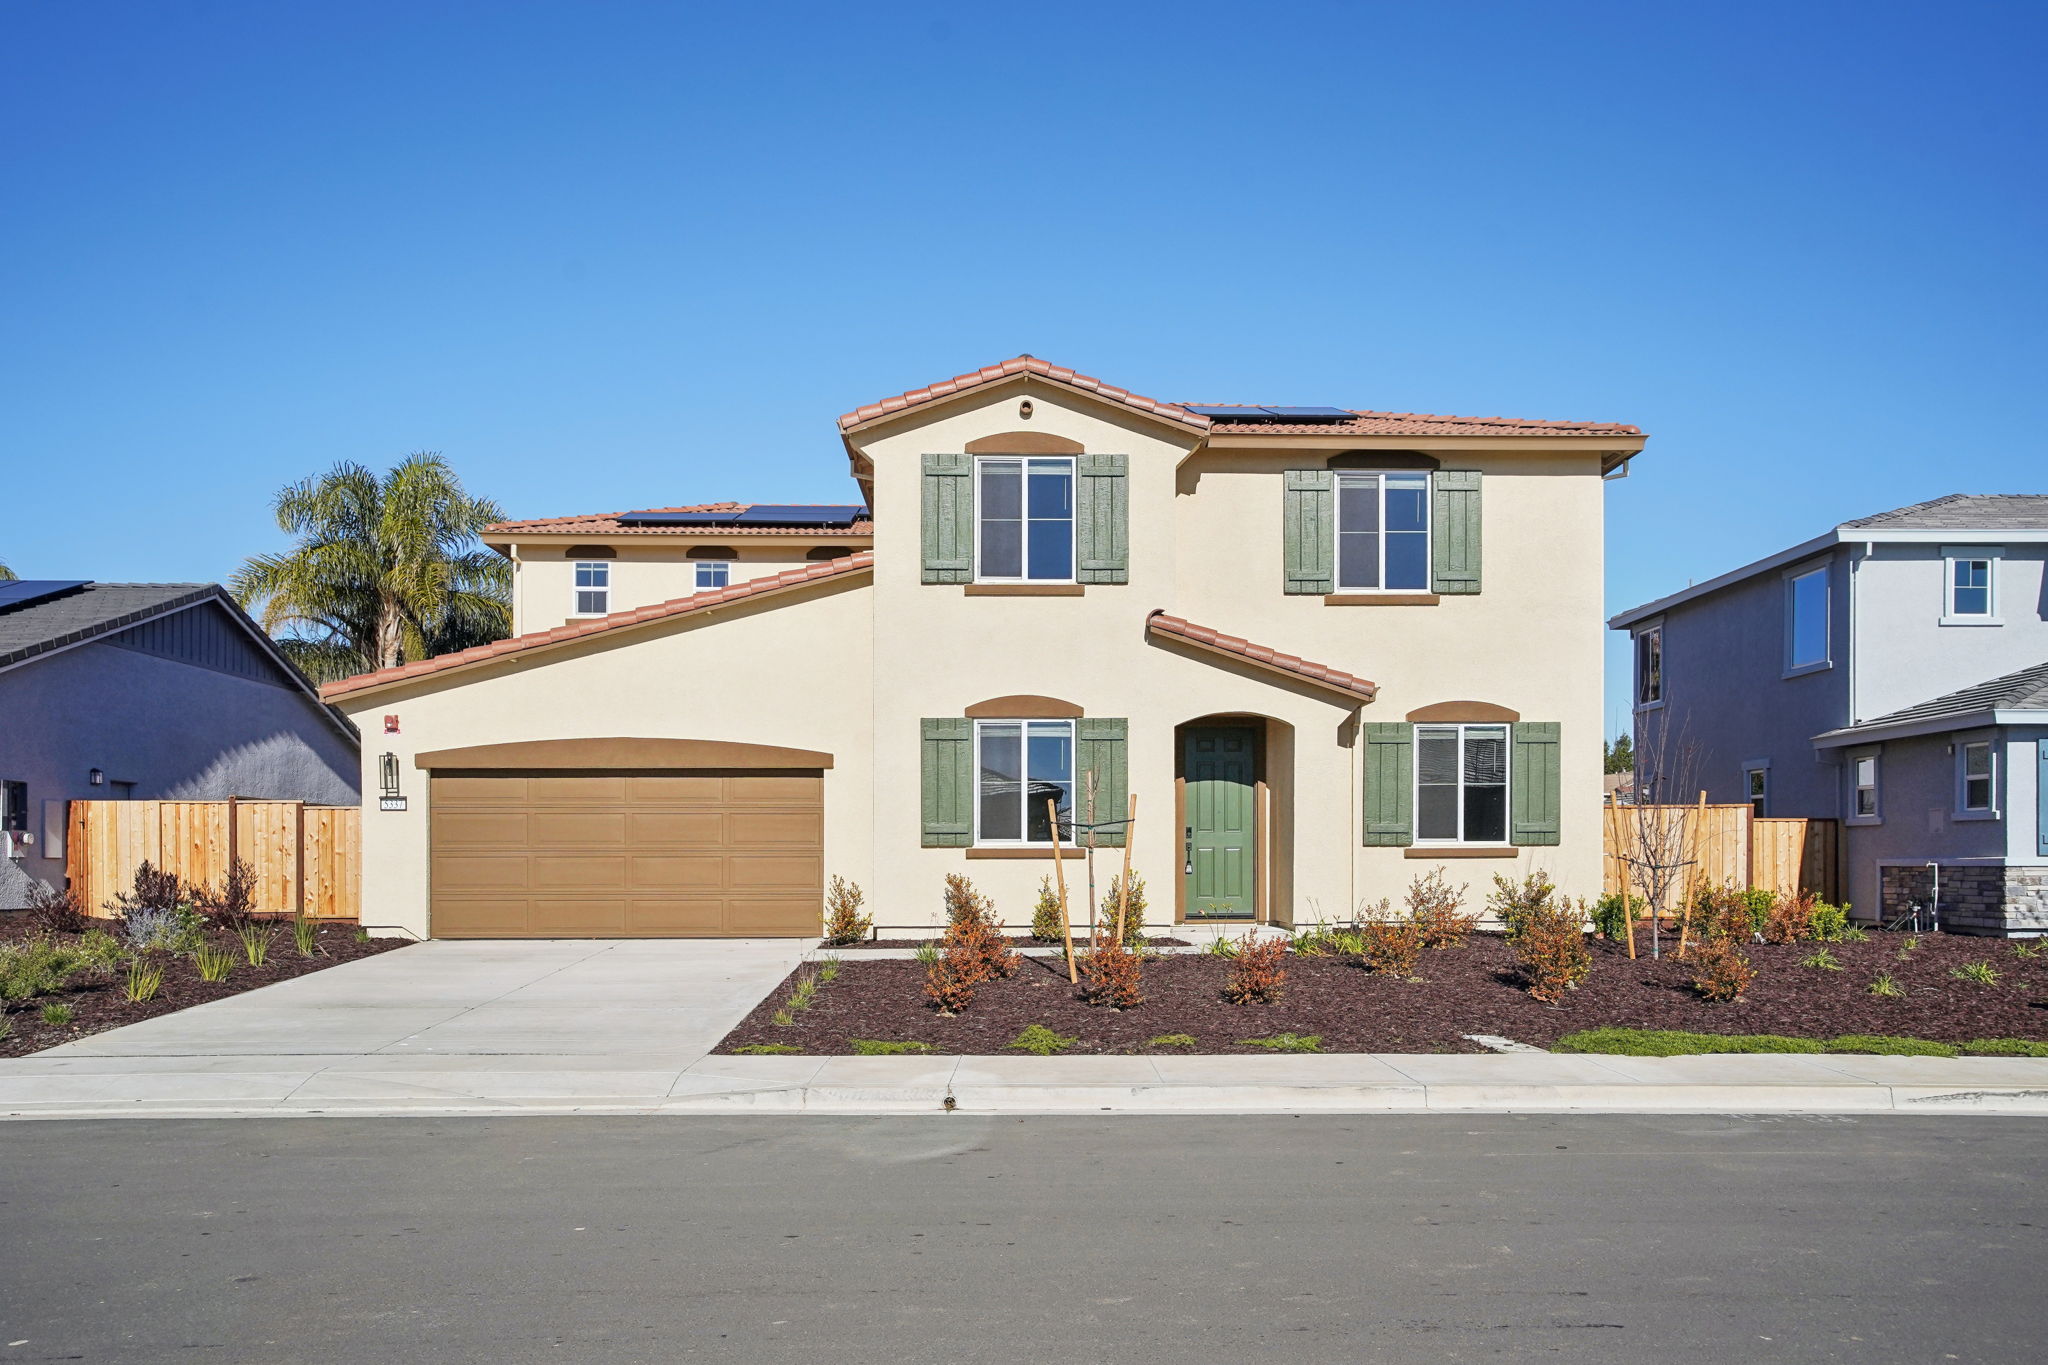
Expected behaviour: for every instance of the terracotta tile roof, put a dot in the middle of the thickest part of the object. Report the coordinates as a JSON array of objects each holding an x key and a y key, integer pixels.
[
  {"x": 607, "y": 524},
  {"x": 576, "y": 630},
  {"x": 1023, "y": 364},
  {"x": 1173, "y": 627},
  {"x": 1366, "y": 422}
]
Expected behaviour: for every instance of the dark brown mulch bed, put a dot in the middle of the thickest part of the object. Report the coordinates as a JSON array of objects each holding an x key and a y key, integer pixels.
[
  {"x": 97, "y": 1003},
  {"x": 1472, "y": 989},
  {"x": 1019, "y": 941}
]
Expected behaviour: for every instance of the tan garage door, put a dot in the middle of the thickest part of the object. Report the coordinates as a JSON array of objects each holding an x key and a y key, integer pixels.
[{"x": 707, "y": 853}]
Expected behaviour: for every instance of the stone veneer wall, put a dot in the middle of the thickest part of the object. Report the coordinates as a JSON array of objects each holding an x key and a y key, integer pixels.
[{"x": 1976, "y": 898}]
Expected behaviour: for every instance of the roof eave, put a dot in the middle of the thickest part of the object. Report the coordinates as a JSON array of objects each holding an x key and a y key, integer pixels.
[
  {"x": 1164, "y": 414},
  {"x": 1806, "y": 550},
  {"x": 1872, "y": 732}
]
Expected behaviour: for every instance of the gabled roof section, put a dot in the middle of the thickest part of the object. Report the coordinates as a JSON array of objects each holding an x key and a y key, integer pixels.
[
  {"x": 769, "y": 585},
  {"x": 1963, "y": 512},
  {"x": 608, "y": 524},
  {"x": 1175, "y": 628},
  {"x": 1982, "y": 704},
  {"x": 1026, "y": 365}
]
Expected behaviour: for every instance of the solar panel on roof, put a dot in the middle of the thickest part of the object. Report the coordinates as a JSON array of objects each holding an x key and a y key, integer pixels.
[
  {"x": 1223, "y": 410},
  {"x": 787, "y": 514},
  {"x": 679, "y": 518},
  {"x": 1250, "y": 413},
  {"x": 1335, "y": 414},
  {"x": 32, "y": 590}
]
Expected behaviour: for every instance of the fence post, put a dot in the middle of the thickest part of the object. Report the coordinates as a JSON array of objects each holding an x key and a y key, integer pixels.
[{"x": 299, "y": 854}]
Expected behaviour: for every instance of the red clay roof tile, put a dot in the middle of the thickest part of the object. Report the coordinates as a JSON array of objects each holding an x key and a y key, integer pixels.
[
  {"x": 1023, "y": 364},
  {"x": 607, "y": 524},
  {"x": 1174, "y": 627}
]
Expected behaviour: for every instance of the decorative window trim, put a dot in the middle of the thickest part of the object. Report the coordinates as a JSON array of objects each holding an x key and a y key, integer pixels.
[
  {"x": 1507, "y": 787},
  {"x": 1955, "y": 555},
  {"x": 1022, "y": 724},
  {"x": 1854, "y": 814},
  {"x": 1795, "y": 668},
  {"x": 981, "y": 465},
  {"x": 1651, "y": 632},
  {"x": 1963, "y": 809},
  {"x": 598, "y": 591},
  {"x": 1428, "y": 534}
]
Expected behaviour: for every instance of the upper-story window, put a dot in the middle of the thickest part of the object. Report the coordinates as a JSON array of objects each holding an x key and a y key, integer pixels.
[
  {"x": 593, "y": 587},
  {"x": 713, "y": 574},
  {"x": 1806, "y": 619},
  {"x": 1461, "y": 784},
  {"x": 1976, "y": 778},
  {"x": 1650, "y": 666},
  {"x": 1019, "y": 765},
  {"x": 1024, "y": 514},
  {"x": 1382, "y": 532},
  {"x": 1970, "y": 585}
]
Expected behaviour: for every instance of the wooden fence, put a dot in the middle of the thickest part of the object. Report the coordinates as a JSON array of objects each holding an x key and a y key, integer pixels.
[
  {"x": 305, "y": 857},
  {"x": 1728, "y": 844}
]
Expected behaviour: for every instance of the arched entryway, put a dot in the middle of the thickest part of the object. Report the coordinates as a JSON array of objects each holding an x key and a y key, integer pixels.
[{"x": 1234, "y": 810}]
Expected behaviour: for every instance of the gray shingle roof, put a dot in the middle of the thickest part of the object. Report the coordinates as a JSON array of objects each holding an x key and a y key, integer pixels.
[
  {"x": 2026, "y": 690},
  {"x": 1964, "y": 512},
  {"x": 97, "y": 608}
]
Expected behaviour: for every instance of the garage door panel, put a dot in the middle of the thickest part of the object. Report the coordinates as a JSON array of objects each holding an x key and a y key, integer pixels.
[{"x": 684, "y": 854}]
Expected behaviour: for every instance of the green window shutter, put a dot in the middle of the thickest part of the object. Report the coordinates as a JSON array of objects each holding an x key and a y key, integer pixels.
[
  {"x": 948, "y": 782},
  {"x": 948, "y": 519},
  {"x": 1308, "y": 531},
  {"x": 1454, "y": 532},
  {"x": 1099, "y": 747},
  {"x": 1389, "y": 783},
  {"x": 1102, "y": 519},
  {"x": 1534, "y": 798}
]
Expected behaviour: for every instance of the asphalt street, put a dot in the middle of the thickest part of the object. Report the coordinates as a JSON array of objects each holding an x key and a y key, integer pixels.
[{"x": 955, "y": 1238}]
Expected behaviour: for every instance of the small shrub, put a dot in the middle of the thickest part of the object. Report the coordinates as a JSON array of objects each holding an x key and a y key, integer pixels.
[
  {"x": 1885, "y": 1046},
  {"x": 1550, "y": 947},
  {"x": 2005, "y": 1047},
  {"x": 213, "y": 964},
  {"x": 58, "y": 1015},
  {"x": 1610, "y": 920},
  {"x": 1979, "y": 972},
  {"x": 36, "y": 966},
  {"x": 973, "y": 949},
  {"x": 1220, "y": 946},
  {"x": 1134, "y": 912},
  {"x": 51, "y": 911},
  {"x": 1312, "y": 942},
  {"x": 1286, "y": 1042},
  {"x": 1726, "y": 912},
  {"x": 306, "y": 936},
  {"x": 1720, "y": 971},
  {"x": 1789, "y": 920},
  {"x": 1823, "y": 959},
  {"x": 256, "y": 936},
  {"x": 153, "y": 889},
  {"x": 1759, "y": 901},
  {"x": 1041, "y": 1041},
  {"x": 233, "y": 903},
  {"x": 844, "y": 922},
  {"x": 1855, "y": 933},
  {"x": 1172, "y": 1040},
  {"x": 767, "y": 1050},
  {"x": 1887, "y": 985},
  {"x": 362, "y": 935},
  {"x": 1046, "y": 924},
  {"x": 1111, "y": 977},
  {"x": 145, "y": 979},
  {"x": 161, "y": 929},
  {"x": 99, "y": 951},
  {"x": 1641, "y": 1042},
  {"x": 879, "y": 1047},
  {"x": 1257, "y": 975},
  {"x": 1388, "y": 945},
  {"x": 1513, "y": 902},
  {"x": 1828, "y": 923},
  {"x": 1433, "y": 907}
]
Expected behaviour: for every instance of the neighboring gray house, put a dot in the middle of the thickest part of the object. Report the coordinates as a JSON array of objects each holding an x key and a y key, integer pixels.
[
  {"x": 147, "y": 690},
  {"x": 1891, "y": 674}
]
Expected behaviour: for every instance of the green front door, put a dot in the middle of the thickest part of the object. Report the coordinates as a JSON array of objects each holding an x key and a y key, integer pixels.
[{"x": 1220, "y": 858}]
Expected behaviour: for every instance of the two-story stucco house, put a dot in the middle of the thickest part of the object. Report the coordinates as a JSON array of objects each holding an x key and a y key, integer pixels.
[
  {"x": 1326, "y": 650},
  {"x": 1891, "y": 674}
]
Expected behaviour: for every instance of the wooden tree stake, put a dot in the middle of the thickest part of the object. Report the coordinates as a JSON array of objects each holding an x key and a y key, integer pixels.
[
  {"x": 1123, "y": 886},
  {"x": 1699, "y": 822},
  {"x": 1059, "y": 873}
]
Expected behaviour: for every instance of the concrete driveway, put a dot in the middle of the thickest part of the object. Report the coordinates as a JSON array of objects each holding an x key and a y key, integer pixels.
[{"x": 610, "y": 1021}]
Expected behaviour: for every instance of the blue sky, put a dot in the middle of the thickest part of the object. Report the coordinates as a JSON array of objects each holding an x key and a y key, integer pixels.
[{"x": 607, "y": 255}]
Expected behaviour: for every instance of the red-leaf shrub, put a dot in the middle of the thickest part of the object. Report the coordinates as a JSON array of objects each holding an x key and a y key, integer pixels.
[
  {"x": 1720, "y": 971},
  {"x": 1256, "y": 975},
  {"x": 1433, "y": 906},
  {"x": 231, "y": 905},
  {"x": 1111, "y": 977},
  {"x": 971, "y": 924},
  {"x": 1514, "y": 902},
  {"x": 55, "y": 912},
  {"x": 1388, "y": 943},
  {"x": 844, "y": 922},
  {"x": 1550, "y": 946}
]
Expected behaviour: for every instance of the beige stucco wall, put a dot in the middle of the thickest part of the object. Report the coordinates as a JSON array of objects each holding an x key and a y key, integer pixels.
[
  {"x": 647, "y": 571},
  {"x": 790, "y": 671}
]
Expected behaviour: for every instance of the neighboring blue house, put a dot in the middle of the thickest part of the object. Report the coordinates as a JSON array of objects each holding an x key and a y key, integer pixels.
[
  {"x": 1891, "y": 674},
  {"x": 147, "y": 691}
]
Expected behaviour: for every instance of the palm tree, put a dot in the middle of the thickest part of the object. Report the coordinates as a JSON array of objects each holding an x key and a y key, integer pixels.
[
  {"x": 7, "y": 575},
  {"x": 385, "y": 571}
]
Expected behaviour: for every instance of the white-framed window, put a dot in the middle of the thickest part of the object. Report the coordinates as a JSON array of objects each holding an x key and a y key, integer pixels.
[
  {"x": 1024, "y": 519},
  {"x": 1756, "y": 789},
  {"x": 1977, "y": 778},
  {"x": 1461, "y": 784},
  {"x": 1018, "y": 766},
  {"x": 1863, "y": 784},
  {"x": 1650, "y": 666},
  {"x": 1806, "y": 619},
  {"x": 1382, "y": 532},
  {"x": 593, "y": 587},
  {"x": 712, "y": 573},
  {"x": 1969, "y": 593}
]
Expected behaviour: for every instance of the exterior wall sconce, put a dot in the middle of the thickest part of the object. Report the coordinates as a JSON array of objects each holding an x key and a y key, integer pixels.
[
  {"x": 388, "y": 797},
  {"x": 95, "y": 778}
]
